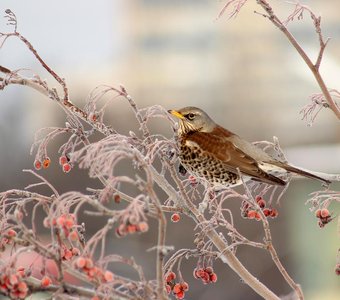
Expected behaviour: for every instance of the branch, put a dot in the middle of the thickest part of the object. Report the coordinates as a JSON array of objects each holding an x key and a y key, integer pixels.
[{"x": 313, "y": 67}]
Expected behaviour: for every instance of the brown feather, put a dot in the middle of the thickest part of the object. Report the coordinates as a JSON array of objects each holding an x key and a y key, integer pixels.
[
  {"x": 216, "y": 144},
  {"x": 298, "y": 171}
]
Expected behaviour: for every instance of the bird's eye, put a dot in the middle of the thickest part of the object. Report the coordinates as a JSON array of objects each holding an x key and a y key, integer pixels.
[{"x": 190, "y": 116}]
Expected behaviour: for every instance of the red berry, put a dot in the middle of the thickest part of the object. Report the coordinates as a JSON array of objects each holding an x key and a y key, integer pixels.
[
  {"x": 324, "y": 213},
  {"x": 251, "y": 214},
  {"x": 257, "y": 216},
  {"x": 37, "y": 164},
  {"x": 170, "y": 277},
  {"x": 205, "y": 277},
  {"x": 177, "y": 288},
  {"x": 80, "y": 262},
  {"x": 108, "y": 276},
  {"x": 197, "y": 273},
  {"x": 131, "y": 228},
  {"x": 11, "y": 233},
  {"x": 213, "y": 277},
  {"x": 185, "y": 286},
  {"x": 267, "y": 212},
  {"x": 66, "y": 168},
  {"x": 22, "y": 286},
  {"x": 274, "y": 213},
  {"x": 175, "y": 217},
  {"x": 142, "y": 226},
  {"x": 46, "y": 162},
  {"x": 209, "y": 270},
  {"x": 337, "y": 269},
  {"x": 116, "y": 198},
  {"x": 261, "y": 203},
  {"x": 68, "y": 254},
  {"x": 318, "y": 213},
  {"x": 63, "y": 160},
  {"x": 46, "y": 281},
  {"x": 180, "y": 295},
  {"x": 258, "y": 198}
]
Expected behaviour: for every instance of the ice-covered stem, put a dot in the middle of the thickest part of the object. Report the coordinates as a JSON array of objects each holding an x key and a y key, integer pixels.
[
  {"x": 236, "y": 6},
  {"x": 314, "y": 67},
  {"x": 268, "y": 240},
  {"x": 226, "y": 254}
]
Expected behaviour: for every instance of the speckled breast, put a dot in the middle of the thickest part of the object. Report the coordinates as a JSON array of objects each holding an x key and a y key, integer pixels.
[{"x": 206, "y": 166}]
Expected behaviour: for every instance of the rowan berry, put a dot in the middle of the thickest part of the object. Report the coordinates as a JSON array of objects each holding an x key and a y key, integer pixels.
[
  {"x": 175, "y": 217},
  {"x": 179, "y": 295},
  {"x": 46, "y": 162},
  {"x": 63, "y": 160},
  {"x": 170, "y": 276},
  {"x": 67, "y": 168},
  {"x": 251, "y": 214},
  {"x": 37, "y": 164},
  {"x": 274, "y": 213},
  {"x": 262, "y": 203},
  {"x": 185, "y": 286},
  {"x": 80, "y": 262},
  {"x": 318, "y": 213},
  {"x": 142, "y": 226},
  {"x": 267, "y": 212},
  {"x": 46, "y": 281},
  {"x": 108, "y": 276},
  {"x": 324, "y": 213}
]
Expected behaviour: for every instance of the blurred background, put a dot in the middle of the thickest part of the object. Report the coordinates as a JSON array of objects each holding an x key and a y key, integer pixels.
[{"x": 243, "y": 72}]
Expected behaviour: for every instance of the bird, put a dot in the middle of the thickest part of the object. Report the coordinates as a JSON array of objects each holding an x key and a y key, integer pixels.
[{"x": 223, "y": 158}]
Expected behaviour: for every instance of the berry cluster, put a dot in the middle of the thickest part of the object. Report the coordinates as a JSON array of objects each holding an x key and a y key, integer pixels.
[
  {"x": 64, "y": 161},
  {"x": 130, "y": 228},
  {"x": 69, "y": 253},
  {"x": 45, "y": 163},
  {"x": 7, "y": 239},
  {"x": 94, "y": 273},
  {"x": 249, "y": 212},
  {"x": 324, "y": 217},
  {"x": 13, "y": 284},
  {"x": 206, "y": 274},
  {"x": 178, "y": 289},
  {"x": 66, "y": 224}
]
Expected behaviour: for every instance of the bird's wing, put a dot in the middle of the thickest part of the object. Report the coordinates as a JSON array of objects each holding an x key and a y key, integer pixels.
[{"x": 221, "y": 148}]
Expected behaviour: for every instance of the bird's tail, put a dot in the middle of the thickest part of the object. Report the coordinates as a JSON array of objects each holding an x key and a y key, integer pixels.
[{"x": 301, "y": 172}]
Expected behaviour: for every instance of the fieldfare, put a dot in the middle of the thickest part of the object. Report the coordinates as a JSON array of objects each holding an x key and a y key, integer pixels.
[{"x": 210, "y": 151}]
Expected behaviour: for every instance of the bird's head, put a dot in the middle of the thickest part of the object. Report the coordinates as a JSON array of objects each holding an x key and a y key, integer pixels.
[{"x": 193, "y": 119}]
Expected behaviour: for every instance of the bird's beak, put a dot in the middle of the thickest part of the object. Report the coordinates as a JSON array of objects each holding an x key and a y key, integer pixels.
[{"x": 176, "y": 114}]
